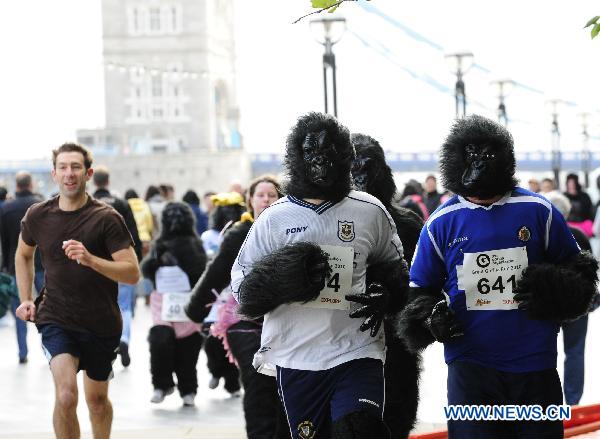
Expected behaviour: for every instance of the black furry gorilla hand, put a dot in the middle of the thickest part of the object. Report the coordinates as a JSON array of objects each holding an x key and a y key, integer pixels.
[
  {"x": 386, "y": 294},
  {"x": 375, "y": 302},
  {"x": 294, "y": 273},
  {"x": 442, "y": 324},
  {"x": 558, "y": 292}
]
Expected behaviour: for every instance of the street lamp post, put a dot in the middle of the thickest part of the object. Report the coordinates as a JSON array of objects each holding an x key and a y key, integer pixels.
[
  {"x": 585, "y": 150},
  {"x": 504, "y": 88},
  {"x": 329, "y": 31},
  {"x": 459, "y": 64},
  {"x": 556, "y": 159}
]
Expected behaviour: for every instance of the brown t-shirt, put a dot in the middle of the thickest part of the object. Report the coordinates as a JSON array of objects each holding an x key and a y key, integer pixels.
[{"x": 77, "y": 297}]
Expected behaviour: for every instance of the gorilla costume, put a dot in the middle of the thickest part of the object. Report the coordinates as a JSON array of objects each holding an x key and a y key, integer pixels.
[
  {"x": 510, "y": 271},
  {"x": 318, "y": 351},
  {"x": 174, "y": 346},
  {"x": 372, "y": 174}
]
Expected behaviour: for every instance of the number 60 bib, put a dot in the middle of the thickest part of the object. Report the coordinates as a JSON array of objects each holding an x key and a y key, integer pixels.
[{"x": 489, "y": 278}]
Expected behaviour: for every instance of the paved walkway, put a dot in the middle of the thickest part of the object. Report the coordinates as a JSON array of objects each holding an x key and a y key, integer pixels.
[{"x": 26, "y": 395}]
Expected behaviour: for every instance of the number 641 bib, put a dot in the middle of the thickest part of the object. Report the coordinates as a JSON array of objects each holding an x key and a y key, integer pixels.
[
  {"x": 489, "y": 278},
  {"x": 341, "y": 260}
]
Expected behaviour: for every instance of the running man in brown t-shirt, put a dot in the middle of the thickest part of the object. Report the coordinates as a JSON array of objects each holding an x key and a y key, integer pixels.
[{"x": 86, "y": 249}]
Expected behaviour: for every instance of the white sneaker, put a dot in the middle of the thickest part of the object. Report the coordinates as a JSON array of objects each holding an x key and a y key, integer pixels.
[
  {"x": 188, "y": 400},
  {"x": 213, "y": 383},
  {"x": 159, "y": 395}
]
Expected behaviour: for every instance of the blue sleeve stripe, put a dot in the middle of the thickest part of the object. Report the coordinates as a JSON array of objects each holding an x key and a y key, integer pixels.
[
  {"x": 437, "y": 214},
  {"x": 543, "y": 202},
  {"x": 437, "y": 249}
]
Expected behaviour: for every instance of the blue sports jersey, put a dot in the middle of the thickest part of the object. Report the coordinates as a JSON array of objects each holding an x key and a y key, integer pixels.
[{"x": 476, "y": 254}]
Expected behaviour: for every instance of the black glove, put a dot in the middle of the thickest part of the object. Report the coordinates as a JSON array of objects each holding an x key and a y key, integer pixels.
[
  {"x": 524, "y": 298},
  {"x": 375, "y": 301},
  {"x": 442, "y": 324}
]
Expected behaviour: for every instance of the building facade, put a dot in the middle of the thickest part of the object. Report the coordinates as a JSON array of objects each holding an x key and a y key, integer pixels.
[{"x": 169, "y": 78}]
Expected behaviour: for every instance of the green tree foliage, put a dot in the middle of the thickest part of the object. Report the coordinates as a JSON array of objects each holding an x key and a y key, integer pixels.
[
  {"x": 595, "y": 24},
  {"x": 324, "y": 5}
]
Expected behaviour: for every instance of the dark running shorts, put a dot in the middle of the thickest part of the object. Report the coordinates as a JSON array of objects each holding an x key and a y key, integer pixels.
[
  {"x": 96, "y": 354},
  {"x": 313, "y": 399}
]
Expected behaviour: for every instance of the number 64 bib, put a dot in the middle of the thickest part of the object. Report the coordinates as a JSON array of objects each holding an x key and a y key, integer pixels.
[
  {"x": 489, "y": 278},
  {"x": 341, "y": 260}
]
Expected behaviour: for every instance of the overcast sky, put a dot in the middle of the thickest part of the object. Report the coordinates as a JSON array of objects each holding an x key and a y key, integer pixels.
[{"x": 393, "y": 81}]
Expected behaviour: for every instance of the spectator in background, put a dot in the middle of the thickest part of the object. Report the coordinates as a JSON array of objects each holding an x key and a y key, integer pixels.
[
  {"x": 191, "y": 198},
  {"x": 157, "y": 203},
  {"x": 547, "y": 186},
  {"x": 534, "y": 185},
  {"x": 432, "y": 197},
  {"x": 412, "y": 199},
  {"x": 11, "y": 214},
  {"x": 574, "y": 332},
  {"x": 3, "y": 195},
  {"x": 143, "y": 218},
  {"x": 207, "y": 201},
  {"x": 126, "y": 297},
  {"x": 236, "y": 186},
  {"x": 229, "y": 206},
  {"x": 581, "y": 215},
  {"x": 167, "y": 191}
]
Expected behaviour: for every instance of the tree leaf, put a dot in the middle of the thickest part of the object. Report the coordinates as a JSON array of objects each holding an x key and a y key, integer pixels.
[
  {"x": 330, "y": 10},
  {"x": 592, "y": 21},
  {"x": 595, "y": 30},
  {"x": 323, "y": 4}
]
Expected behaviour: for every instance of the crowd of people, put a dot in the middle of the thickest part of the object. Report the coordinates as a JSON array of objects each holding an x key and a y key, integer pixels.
[{"x": 285, "y": 285}]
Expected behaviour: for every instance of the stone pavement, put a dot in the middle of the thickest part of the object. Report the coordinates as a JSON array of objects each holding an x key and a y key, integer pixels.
[{"x": 26, "y": 393}]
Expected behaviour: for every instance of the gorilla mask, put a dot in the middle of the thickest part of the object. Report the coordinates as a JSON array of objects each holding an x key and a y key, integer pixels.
[
  {"x": 370, "y": 171},
  {"x": 318, "y": 158},
  {"x": 477, "y": 159}
]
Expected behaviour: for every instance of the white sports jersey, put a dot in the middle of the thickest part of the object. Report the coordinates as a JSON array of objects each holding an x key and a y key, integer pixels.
[{"x": 356, "y": 232}]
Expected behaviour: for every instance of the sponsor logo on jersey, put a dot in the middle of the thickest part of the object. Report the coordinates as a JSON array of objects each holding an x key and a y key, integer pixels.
[
  {"x": 296, "y": 229},
  {"x": 346, "y": 230},
  {"x": 458, "y": 240},
  {"x": 524, "y": 234}
]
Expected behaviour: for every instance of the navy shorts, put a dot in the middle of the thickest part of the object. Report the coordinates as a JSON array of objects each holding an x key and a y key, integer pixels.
[
  {"x": 96, "y": 354},
  {"x": 470, "y": 383},
  {"x": 313, "y": 399}
]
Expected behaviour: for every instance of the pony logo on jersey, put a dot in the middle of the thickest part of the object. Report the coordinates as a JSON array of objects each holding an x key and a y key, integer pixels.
[
  {"x": 346, "y": 230},
  {"x": 306, "y": 430},
  {"x": 524, "y": 234}
]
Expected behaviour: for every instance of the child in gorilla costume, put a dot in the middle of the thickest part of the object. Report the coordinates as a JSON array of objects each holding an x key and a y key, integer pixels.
[
  {"x": 511, "y": 271},
  {"x": 301, "y": 259},
  {"x": 371, "y": 174}
]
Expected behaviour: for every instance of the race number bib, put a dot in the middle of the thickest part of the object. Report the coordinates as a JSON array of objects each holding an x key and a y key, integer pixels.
[
  {"x": 171, "y": 279},
  {"x": 489, "y": 278},
  {"x": 341, "y": 260},
  {"x": 172, "y": 307}
]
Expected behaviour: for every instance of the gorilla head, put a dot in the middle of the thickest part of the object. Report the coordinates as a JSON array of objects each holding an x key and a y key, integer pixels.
[
  {"x": 370, "y": 171},
  {"x": 477, "y": 159},
  {"x": 318, "y": 158},
  {"x": 177, "y": 220}
]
